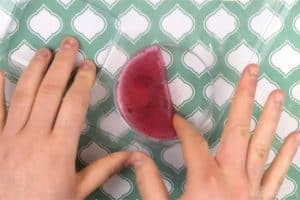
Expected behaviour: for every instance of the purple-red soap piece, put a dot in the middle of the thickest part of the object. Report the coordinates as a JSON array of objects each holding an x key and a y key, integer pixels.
[{"x": 143, "y": 95}]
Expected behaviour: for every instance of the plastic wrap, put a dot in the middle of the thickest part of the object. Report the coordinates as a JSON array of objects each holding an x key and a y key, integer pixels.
[{"x": 212, "y": 42}]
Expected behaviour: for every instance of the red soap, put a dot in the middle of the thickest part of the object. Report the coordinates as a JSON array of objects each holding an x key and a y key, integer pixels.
[{"x": 143, "y": 96}]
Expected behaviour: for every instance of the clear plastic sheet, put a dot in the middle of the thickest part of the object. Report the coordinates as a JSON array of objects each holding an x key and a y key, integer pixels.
[{"x": 212, "y": 41}]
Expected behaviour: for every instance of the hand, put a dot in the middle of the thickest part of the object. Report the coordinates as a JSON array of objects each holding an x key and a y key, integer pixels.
[
  {"x": 238, "y": 170},
  {"x": 40, "y": 133}
]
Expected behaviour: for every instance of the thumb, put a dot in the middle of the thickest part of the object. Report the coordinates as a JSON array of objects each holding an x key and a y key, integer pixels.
[
  {"x": 98, "y": 172},
  {"x": 148, "y": 179},
  {"x": 195, "y": 149}
]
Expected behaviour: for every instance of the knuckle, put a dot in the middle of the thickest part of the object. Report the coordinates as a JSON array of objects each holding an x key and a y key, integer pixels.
[
  {"x": 49, "y": 88},
  {"x": 76, "y": 98},
  {"x": 87, "y": 77},
  {"x": 21, "y": 95},
  {"x": 244, "y": 88},
  {"x": 261, "y": 151},
  {"x": 242, "y": 129}
]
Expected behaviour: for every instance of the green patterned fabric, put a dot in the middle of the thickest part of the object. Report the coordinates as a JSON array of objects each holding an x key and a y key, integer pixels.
[{"x": 226, "y": 36}]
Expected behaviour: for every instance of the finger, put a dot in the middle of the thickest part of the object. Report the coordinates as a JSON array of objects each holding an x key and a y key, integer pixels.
[
  {"x": 2, "y": 100},
  {"x": 195, "y": 150},
  {"x": 74, "y": 107},
  {"x": 262, "y": 139},
  {"x": 148, "y": 179},
  {"x": 237, "y": 128},
  {"x": 25, "y": 92},
  {"x": 94, "y": 175},
  {"x": 53, "y": 86},
  {"x": 274, "y": 176}
]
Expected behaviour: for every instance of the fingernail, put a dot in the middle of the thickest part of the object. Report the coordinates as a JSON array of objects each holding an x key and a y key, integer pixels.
[
  {"x": 254, "y": 72},
  {"x": 42, "y": 53},
  {"x": 137, "y": 160},
  {"x": 278, "y": 99},
  {"x": 138, "y": 163},
  {"x": 86, "y": 65},
  {"x": 69, "y": 43}
]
